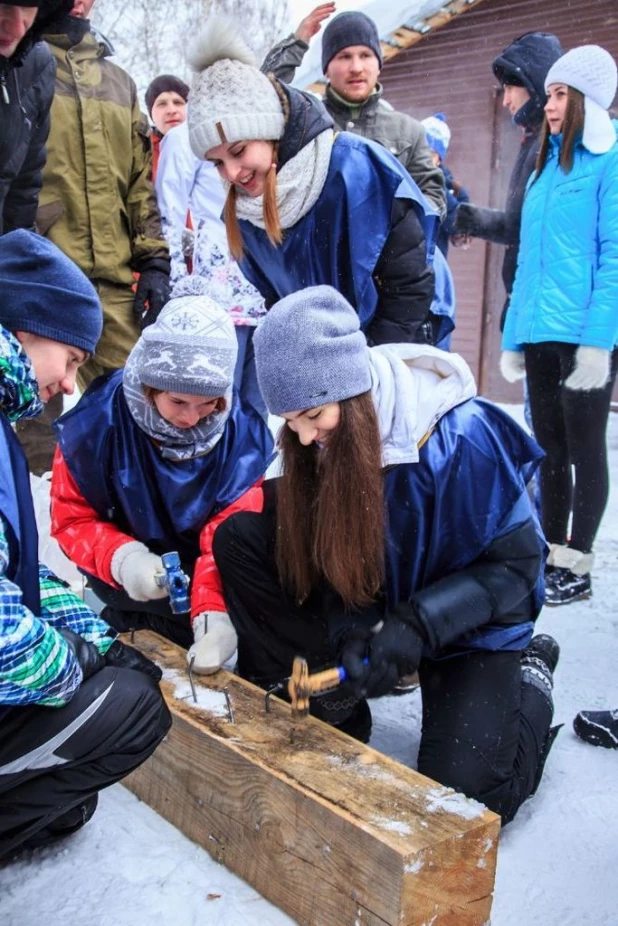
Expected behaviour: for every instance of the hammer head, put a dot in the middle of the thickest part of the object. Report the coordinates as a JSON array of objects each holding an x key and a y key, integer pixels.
[{"x": 298, "y": 687}]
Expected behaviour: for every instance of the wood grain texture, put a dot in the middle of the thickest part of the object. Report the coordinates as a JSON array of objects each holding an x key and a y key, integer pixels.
[{"x": 329, "y": 830}]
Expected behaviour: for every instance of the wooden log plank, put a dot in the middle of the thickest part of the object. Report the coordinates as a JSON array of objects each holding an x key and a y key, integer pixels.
[{"x": 329, "y": 830}]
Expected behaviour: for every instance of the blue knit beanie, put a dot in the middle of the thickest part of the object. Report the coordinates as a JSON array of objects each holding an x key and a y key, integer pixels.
[
  {"x": 45, "y": 293},
  {"x": 309, "y": 351},
  {"x": 349, "y": 29}
]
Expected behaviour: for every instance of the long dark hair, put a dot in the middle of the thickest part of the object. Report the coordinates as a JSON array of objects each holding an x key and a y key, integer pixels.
[
  {"x": 572, "y": 127},
  {"x": 330, "y": 509}
]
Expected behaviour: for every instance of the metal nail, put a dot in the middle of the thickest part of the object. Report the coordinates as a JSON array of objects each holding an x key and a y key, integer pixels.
[
  {"x": 191, "y": 678},
  {"x": 229, "y": 705}
]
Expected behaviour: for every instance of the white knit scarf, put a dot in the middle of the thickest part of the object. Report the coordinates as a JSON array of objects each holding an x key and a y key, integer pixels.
[
  {"x": 412, "y": 387},
  {"x": 299, "y": 184}
]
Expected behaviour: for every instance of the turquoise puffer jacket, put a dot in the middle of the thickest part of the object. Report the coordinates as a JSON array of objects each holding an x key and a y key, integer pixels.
[{"x": 566, "y": 286}]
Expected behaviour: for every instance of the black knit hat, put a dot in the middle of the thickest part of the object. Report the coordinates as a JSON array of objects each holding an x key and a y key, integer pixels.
[
  {"x": 349, "y": 29},
  {"x": 165, "y": 83}
]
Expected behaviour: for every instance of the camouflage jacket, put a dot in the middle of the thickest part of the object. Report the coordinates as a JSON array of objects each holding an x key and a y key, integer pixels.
[{"x": 97, "y": 203}]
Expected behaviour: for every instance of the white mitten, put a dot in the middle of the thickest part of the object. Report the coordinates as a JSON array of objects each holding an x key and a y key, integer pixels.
[
  {"x": 215, "y": 641},
  {"x": 512, "y": 365},
  {"x": 134, "y": 566},
  {"x": 591, "y": 369}
]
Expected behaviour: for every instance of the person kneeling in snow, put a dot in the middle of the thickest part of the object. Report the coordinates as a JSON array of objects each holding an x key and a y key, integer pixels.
[
  {"x": 78, "y": 709},
  {"x": 151, "y": 460},
  {"x": 403, "y": 534}
]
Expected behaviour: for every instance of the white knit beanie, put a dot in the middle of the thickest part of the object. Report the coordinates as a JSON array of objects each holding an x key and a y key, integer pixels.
[
  {"x": 591, "y": 70},
  {"x": 231, "y": 99}
]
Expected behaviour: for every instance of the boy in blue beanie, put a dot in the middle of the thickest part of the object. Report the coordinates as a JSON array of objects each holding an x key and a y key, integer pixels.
[{"x": 99, "y": 721}]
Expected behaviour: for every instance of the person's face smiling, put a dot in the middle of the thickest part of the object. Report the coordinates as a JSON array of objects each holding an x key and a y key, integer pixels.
[
  {"x": 55, "y": 364},
  {"x": 244, "y": 163},
  {"x": 315, "y": 425}
]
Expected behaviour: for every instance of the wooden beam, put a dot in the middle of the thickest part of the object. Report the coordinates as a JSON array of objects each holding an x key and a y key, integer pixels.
[{"x": 329, "y": 830}]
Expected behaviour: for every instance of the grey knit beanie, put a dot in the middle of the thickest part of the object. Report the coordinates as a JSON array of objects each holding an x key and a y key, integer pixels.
[
  {"x": 191, "y": 348},
  {"x": 591, "y": 70},
  {"x": 349, "y": 29},
  {"x": 230, "y": 100},
  {"x": 309, "y": 351}
]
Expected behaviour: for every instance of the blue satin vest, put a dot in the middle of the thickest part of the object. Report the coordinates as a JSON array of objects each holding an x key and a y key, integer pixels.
[
  {"x": 163, "y": 503},
  {"x": 18, "y": 512},
  {"x": 338, "y": 242},
  {"x": 467, "y": 489}
]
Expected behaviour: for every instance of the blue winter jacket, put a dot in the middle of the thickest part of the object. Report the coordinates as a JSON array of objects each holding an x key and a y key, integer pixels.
[{"x": 566, "y": 285}]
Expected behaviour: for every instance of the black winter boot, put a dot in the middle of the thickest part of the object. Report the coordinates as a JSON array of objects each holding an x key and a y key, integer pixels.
[
  {"x": 538, "y": 663},
  {"x": 542, "y": 649},
  {"x": 600, "y": 728},
  {"x": 567, "y": 576}
]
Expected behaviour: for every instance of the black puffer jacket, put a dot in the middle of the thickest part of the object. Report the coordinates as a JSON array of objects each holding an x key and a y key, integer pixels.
[
  {"x": 526, "y": 61},
  {"x": 27, "y": 81}
]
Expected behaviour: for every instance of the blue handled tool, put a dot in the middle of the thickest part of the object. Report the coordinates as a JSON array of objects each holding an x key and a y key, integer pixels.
[
  {"x": 176, "y": 582},
  {"x": 302, "y": 685}
]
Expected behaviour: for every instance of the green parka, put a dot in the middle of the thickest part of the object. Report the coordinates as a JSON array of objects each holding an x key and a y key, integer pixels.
[{"x": 97, "y": 203}]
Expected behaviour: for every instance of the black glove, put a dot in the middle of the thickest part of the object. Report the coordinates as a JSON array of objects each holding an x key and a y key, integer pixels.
[
  {"x": 465, "y": 220},
  {"x": 152, "y": 292},
  {"x": 393, "y": 651},
  {"x": 126, "y": 657},
  {"x": 87, "y": 655}
]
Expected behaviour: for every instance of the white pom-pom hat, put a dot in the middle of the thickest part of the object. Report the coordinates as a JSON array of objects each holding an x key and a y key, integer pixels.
[
  {"x": 231, "y": 99},
  {"x": 591, "y": 70}
]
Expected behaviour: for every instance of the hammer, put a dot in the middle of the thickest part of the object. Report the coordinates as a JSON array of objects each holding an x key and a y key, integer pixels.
[{"x": 301, "y": 685}]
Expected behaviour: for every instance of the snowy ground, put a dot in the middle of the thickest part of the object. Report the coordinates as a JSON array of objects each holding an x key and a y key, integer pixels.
[{"x": 557, "y": 862}]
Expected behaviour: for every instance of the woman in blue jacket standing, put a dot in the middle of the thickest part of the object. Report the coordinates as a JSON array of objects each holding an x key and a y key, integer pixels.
[
  {"x": 561, "y": 330},
  {"x": 370, "y": 548}
]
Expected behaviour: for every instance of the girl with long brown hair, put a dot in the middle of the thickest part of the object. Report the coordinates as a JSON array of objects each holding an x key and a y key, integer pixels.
[
  {"x": 399, "y": 537},
  {"x": 562, "y": 325}
]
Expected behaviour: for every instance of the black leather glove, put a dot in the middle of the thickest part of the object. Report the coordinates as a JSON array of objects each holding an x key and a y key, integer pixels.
[
  {"x": 122, "y": 656},
  {"x": 152, "y": 292},
  {"x": 87, "y": 655},
  {"x": 392, "y": 652}
]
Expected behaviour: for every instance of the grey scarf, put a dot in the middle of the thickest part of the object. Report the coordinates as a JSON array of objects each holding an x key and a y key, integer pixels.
[{"x": 174, "y": 443}]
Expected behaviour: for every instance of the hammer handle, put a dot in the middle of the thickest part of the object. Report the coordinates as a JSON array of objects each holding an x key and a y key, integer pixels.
[{"x": 328, "y": 678}]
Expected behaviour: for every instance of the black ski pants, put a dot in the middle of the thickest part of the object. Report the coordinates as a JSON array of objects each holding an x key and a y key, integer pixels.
[
  {"x": 53, "y": 759},
  {"x": 483, "y": 729},
  {"x": 570, "y": 426}
]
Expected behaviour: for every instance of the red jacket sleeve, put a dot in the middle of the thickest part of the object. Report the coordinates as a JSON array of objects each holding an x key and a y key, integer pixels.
[
  {"x": 207, "y": 592},
  {"x": 87, "y": 540}
]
